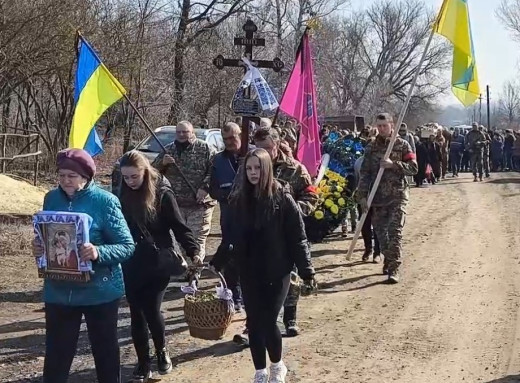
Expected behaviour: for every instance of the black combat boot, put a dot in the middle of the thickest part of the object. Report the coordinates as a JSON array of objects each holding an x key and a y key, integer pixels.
[
  {"x": 289, "y": 320},
  {"x": 393, "y": 276},
  {"x": 164, "y": 363}
]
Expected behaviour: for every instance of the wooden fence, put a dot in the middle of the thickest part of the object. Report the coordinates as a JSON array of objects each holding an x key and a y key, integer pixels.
[{"x": 25, "y": 152}]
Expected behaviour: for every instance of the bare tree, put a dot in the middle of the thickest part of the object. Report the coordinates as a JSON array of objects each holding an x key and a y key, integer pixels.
[
  {"x": 195, "y": 20},
  {"x": 509, "y": 13},
  {"x": 509, "y": 103},
  {"x": 371, "y": 56}
]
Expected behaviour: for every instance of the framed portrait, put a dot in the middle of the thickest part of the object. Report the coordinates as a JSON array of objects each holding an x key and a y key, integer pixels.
[{"x": 62, "y": 234}]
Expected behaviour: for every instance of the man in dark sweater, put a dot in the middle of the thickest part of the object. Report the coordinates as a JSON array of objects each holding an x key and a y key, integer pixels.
[{"x": 223, "y": 173}]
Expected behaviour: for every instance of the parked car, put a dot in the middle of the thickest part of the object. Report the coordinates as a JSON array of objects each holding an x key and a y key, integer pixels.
[{"x": 166, "y": 134}]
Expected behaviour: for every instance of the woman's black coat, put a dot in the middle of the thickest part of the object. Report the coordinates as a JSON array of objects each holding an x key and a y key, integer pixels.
[{"x": 269, "y": 252}]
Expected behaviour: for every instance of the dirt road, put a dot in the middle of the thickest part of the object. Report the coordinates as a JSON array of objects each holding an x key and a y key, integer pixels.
[{"x": 454, "y": 317}]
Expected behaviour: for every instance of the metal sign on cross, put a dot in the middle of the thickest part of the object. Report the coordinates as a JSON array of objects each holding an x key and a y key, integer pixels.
[{"x": 247, "y": 107}]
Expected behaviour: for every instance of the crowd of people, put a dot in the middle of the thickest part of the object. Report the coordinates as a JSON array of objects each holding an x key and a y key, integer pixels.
[
  {"x": 441, "y": 151},
  {"x": 263, "y": 200}
]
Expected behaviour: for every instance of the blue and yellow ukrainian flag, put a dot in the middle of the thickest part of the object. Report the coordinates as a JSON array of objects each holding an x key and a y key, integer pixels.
[
  {"x": 454, "y": 24},
  {"x": 95, "y": 91}
]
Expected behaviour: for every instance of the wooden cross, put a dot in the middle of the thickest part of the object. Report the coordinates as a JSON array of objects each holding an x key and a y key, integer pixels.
[{"x": 248, "y": 108}]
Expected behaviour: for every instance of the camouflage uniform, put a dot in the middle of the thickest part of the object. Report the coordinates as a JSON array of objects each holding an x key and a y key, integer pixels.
[
  {"x": 195, "y": 161},
  {"x": 486, "y": 154},
  {"x": 391, "y": 198},
  {"x": 296, "y": 175},
  {"x": 475, "y": 146}
]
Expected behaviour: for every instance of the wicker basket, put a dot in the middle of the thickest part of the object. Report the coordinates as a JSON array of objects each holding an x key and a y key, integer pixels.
[{"x": 209, "y": 320}]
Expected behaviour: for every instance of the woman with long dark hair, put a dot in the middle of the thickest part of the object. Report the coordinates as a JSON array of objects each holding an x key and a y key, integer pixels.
[
  {"x": 150, "y": 209},
  {"x": 267, "y": 240}
]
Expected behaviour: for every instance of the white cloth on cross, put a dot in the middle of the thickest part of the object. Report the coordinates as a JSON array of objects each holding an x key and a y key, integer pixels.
[{"x": 253, "y": 77}]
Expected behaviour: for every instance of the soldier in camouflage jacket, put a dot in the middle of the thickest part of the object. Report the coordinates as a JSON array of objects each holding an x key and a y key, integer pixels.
[
  {"x": 474, "y": 144},
  {"x": 194, "y": 158},
  {"x": 292, "y": 172},
  {"x": 390, "y": 200},
  {"x": 296, "y": 175}
]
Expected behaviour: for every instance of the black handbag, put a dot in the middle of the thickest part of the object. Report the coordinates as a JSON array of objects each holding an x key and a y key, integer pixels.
[{"x": 164, "y": 261}]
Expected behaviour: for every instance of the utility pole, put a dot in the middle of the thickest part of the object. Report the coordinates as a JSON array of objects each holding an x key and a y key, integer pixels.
[
  {"x": 488, "y": 108},
  {"x": 480, "y": 110}
]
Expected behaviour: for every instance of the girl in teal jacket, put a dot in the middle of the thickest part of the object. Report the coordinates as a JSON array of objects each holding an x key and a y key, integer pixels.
[{"x": 98, "y": 300}]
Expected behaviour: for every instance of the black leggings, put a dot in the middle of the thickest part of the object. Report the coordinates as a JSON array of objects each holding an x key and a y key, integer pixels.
[
  {"x": 263, "y": 302},
  {"x": 145, "y": 313}
]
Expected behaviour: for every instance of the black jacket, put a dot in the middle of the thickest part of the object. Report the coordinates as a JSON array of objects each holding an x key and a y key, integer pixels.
[
  {"x": 269, "y": 252},
  {"x": 168, "y": 218}
]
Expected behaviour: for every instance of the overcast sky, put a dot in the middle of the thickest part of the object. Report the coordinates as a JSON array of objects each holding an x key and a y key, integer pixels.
[{"x": 496, "y": 53}]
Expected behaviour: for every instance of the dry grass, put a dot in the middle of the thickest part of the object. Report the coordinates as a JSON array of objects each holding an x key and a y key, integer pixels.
[
  {"x": 19, "y": 197},
  {"x": 17, "y": 266}
]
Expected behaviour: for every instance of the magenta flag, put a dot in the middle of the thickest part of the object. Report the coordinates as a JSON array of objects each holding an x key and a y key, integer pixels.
[{"x": 299, "y": 102}]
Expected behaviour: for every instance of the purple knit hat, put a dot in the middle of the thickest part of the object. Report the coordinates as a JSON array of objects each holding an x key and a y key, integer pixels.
[{"x": 77, "y": 160}]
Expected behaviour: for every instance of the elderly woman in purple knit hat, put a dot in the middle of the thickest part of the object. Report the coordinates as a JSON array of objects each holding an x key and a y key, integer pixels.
[{"x": 98, "y": 300}]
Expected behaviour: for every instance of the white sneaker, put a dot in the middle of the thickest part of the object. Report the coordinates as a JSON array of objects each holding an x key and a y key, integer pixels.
[
  {"x": 261, "y": 377},
  {"x": 278, "y": 373}
]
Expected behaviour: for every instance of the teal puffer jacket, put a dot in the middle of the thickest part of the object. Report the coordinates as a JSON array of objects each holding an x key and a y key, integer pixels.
[{"x": 109, "y": 233}]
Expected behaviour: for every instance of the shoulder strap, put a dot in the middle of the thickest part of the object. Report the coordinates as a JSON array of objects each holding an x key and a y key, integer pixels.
[{"x": 146, "y": 234}]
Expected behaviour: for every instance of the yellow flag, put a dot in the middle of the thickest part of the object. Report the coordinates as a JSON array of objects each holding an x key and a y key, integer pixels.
[
  {"x": 453, "y": 23},
  {"x": 96, "y": 89}
]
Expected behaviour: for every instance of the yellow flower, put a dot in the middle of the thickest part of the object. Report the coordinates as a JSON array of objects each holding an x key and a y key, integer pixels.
[
  {"x": 323, "y": 183},
  {"x": 325, "y": 189},
  {"x": 328, "y": 203},
  {"x": 334, "y": 209},
  {"x": 337, "y": 194},
  {"x": 339, "y": 188},
  {"x": 318, "y": 214},
  {"x": 341, "y": 202}
]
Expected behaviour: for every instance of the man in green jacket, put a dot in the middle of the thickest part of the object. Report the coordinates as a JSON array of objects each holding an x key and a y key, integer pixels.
[
  {"x": 193, "y": 158},
  {"x": 391, "y": 198},
  {"x": 474, "y": 144}
]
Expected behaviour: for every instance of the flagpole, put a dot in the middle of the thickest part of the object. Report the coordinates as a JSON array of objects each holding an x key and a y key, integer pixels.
[
  {"x": 285, "y": 90},
  {"x": 390, "y": 147},
  {"x": 79, "y": 37}
]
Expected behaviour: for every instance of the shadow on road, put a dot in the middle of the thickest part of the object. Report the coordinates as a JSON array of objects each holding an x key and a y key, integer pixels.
[
  {"x": 324, "y": 252},
  {"x": 332, "y": 267},
  {"x": 216, "y": 350},
  {"x": 22, "y": 297},
  {"x": 26, "y": 325},
  {"x": 502, "y": 181},
  {"x": 340, "y": 282},
  {"x": 507, "y": 379},
  {"x": 85, "y": 376}
]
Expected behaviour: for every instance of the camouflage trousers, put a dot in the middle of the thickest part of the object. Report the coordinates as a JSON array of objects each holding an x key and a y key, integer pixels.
[
  {"x": 477, "y": 162},
  {"x": 485, "y": 160},
  {"x": 291, "y": 302},
  {"x": 388, "y": 222},
  {"x": 198, "y": 219}
]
